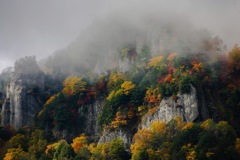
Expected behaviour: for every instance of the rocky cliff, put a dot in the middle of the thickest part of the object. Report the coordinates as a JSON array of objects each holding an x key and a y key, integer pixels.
[
  {"x": 124, "y": 135},
  {"x": 22, "y": 95},
  {"x": 183, "y": 105},
  {"x": 87, "y": 123},
  {"x": 187, "y": 106},
  {"x": 90, "y": 116}
]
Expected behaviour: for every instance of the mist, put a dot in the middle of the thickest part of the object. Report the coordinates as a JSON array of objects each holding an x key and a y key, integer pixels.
[{"x": 93, "y": 30}]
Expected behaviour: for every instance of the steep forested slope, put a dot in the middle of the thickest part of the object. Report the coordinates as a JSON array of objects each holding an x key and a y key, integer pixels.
[
  {"x": 160, "y": 91},
  {"x": 117, "y": 103}
]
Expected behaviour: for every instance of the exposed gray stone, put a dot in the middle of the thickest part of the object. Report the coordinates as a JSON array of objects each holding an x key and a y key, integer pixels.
[
  {"x": 91, "y": 126},
  {"x": 185, "y": 106},
  {"x": 124, "y": 64},
  {"x": 21, "y": 104},
  {"x": 108, "y": 136}
]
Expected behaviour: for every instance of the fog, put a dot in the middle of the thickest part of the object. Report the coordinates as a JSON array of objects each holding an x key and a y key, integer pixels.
[{"x": 31, "y": 27}]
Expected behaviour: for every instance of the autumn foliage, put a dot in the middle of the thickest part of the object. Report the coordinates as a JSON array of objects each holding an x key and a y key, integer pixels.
[
  {"x": 120, "y": 101},
  {"x": 79, "y": 142}
]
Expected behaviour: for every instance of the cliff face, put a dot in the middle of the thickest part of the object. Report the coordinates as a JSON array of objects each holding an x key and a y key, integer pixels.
[
  {"x": 22, "y": 98},
  {"x": 124, "y": 135},
  {"x": 124, "y": 64},
  {"x": 90, "y": 116},
  {"x": 185, "y": 105},
  {"x": 87, "y": 123}
]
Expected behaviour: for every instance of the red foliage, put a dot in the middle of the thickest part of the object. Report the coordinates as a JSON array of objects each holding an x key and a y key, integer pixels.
[
  {"x": 161, "y": 80},
  {"x": 170, "y": 70},
  {"x": 100, "y": 85},
  {"x": 88, "y": 95},
  {"x": 190, "y": 72},
  {"x": 168, "y": 78}
]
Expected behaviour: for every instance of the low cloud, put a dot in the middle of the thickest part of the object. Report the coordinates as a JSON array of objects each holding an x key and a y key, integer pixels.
[{"x": 42, "y": 27}]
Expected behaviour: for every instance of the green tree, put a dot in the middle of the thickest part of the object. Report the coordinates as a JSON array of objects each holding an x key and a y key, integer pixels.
[
  {"x": 140, "y": 155},
  {"x": 64, "y": 152},
  {"x": 62, "y": 116},
  {"x": 234, "y": 58},
  {"x": 37, "y": 144},
  {"x": 117, "y": 150},
  {"x": 83, "y": 154},
  {"x": 16, "y": 141},
  {"x": 96, "y": 151},
  {"x": 73, "y": 85},
  {"x": 107, "y": 114}
]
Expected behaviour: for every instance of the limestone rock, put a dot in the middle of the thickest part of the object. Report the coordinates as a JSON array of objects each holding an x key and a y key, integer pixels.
[
  {"x": 22, "y": 100},
  {"x": 124, "y": 135},
  {"x": 90, "y": 115},
  {"x": 185, "y": 106},
  {"x": 124, "y": 64}
]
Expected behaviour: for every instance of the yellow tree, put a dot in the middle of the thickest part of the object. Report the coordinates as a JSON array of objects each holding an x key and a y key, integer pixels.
[
  {"x": 96, "y": 151},
  {"x": 197, "y": 66},
  {"x": 127, "y": 86},
  {"x": 51, "y": 99},
  {"x": 159, "y": 130},
  {"x": 73, "y": 85},
  {"x": 237, "y": 145},
  {"x": 141, "y": 140},
  {"x": 16, "y": 154},
  {"x": 155, "y": 62},
  {"x": 188, "y": 126},
  {"x": 54, "y": 146},
  {"x": 159, "y": 127},
  {"x": 114, "y": 80},
  {"x": 190, "y": 152},
  {"x": 234, "y": 54},
  {"x": 208, "y": 124},
  {"x": 179, "y": 121},
  {"x": 119, "y": 120},
  {"x": 171, "y": 56},
  {"x": 105, "y": 150},
  {"x": 153, "y": 96},
  {"x": 79, "y": 142}
]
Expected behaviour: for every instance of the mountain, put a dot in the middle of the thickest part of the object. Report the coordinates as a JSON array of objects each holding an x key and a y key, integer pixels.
[{"x": 148, "y": 89}]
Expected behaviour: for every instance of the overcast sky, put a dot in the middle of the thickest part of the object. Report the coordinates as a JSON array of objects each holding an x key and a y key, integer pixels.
[{"x": 39, "y": 27}]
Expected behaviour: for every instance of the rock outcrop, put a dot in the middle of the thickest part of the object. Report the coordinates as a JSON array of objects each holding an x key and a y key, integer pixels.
[
  {"x": 124, "y": 64},
  {"x": 90, "y": 116},
  {"x": 87, "y": 123},
  {"x": 124, "y": 135},
  {"x": 183, "y": 105},
  {"x": 22, "y": 94}
]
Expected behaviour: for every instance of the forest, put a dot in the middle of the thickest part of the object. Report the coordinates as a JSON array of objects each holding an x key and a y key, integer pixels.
[{"x": 130, "y": 96}]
